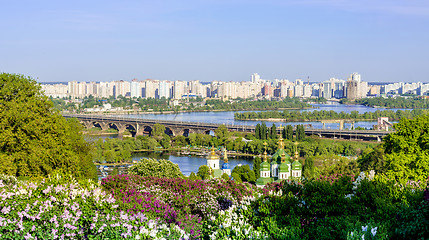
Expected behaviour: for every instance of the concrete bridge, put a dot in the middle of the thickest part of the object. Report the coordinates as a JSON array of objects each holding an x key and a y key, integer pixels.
[
  {"x": 176, "y": 128},
  {"x": 145, "y": 126}
]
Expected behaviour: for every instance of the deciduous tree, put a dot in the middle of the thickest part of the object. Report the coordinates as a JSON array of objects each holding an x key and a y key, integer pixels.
[{"x": 35, "y": 140}]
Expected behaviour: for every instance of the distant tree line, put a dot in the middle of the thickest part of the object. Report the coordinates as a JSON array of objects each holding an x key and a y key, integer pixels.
[
  {"x": 394, "y": 102},
  {"x": 296, "y": 116}
]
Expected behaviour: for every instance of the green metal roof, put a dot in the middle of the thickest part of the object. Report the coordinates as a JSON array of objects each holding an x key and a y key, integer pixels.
[
  {"x": 296, "y": 165},
  {"x": 283, "y": 167},
  {"x": 277, "y": 157},
  {"x": 263, "y": 181},
  {"x": 265, "y": 166}
]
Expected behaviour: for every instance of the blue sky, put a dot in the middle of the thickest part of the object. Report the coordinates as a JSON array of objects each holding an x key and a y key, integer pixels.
[{"x": 226, "y": 40}]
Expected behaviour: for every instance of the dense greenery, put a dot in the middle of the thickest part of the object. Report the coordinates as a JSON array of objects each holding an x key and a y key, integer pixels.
[
  {"x": 404, "y": 155},
  {"x": 296, "y": 116},
  {"x": 35, "y": 140},
  {"x": 117, "y": 150},
  {"x": 394, "y": 102},
  {"x": 148, "y": 167}
]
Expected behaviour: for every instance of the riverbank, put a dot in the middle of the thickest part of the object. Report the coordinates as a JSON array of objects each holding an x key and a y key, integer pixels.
[{"x": 129, "y": 112}]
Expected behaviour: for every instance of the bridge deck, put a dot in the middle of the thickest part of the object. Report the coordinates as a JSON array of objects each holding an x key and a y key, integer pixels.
[{"x": 241, "y": 128}]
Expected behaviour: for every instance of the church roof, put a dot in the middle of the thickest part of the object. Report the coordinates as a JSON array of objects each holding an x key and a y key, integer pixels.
[
  {"x": 284, "y": 167},
  {"x": 296, "y": 165},
  {"x": 265, "y": 166},
  {"x": 277, "y": 157},
  {"x": 217, "y": 173},
  {"x": 212, "y": 155},
  {"x": 225, "y": 166},
  {"x": 263, "y": 181}
]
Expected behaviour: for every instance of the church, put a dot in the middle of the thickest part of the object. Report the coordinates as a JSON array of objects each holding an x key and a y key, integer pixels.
[
  {"x": 280, "y": 167},
  {"x": 213, "y": 163}
]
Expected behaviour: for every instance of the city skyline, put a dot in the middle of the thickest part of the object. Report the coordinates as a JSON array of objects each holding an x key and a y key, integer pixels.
[
  {"x": 352, "y": 88},
  {"x": 216, "y": 40}
]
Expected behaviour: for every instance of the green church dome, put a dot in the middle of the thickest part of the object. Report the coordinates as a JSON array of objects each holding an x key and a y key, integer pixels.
[
  {"x": 296, "y": 165},
  {"x": 284, "y": 167},
  {"x": 265, "y": 166},
  {"x": 277, "y": 157}
]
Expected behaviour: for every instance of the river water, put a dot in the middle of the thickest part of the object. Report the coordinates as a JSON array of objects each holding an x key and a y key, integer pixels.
[
  {"x": 187, "y": 164},
  {"x": 227, "y": 117},
  {"x": 190, "y": 164}
]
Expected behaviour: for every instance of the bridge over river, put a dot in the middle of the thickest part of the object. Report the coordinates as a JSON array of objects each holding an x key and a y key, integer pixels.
[{"x": 175, "y": 128}]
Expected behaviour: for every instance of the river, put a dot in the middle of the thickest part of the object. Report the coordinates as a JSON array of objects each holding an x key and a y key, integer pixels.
[
  {"x": 187, "y": 164},
  {"x": 190, "y": 164},
  {"x": 227, "y": 117}
]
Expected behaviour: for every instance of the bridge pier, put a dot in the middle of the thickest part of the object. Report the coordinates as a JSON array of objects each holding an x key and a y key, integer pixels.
[
  {"x": 87, "y": 124},
  {"x": 104, "y": 125}
]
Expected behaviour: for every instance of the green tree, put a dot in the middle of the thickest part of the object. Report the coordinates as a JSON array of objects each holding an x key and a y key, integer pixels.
[
  {"x": 273, "y": 132},
  {"x": 309, "y": 170},
  {"x": 372, "y": 159},
  {"x": 284, "y": 136},
  {"x": 222, "y": 132},
  {"x": 263, "y": 131},
  {"x": 225, "y": 176},
  {"x": 257, "y": 166},
  {"x": 158, "y": 130},
  {"x": 35, "y": 140},
  {"x": 289, "y": 132},
  {"x": 258, "y": 131},
  {"x": 244, "y": 173},
  {"x": 148, "y": 167},
  {"x": 203, "y": 172},
  {"x": 407, "y": 150}
]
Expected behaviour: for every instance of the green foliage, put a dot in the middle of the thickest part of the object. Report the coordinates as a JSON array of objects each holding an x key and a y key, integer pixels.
[
  {"x": 244, "y": 173},
  {"x": 295, "y": 116},
  {"x": 273, "y": 132},
  {"x": 289, "y": 133},
  {"x": 263, "y": 133},
  {"x": 372, "y": 159},
  {"x": 35, "y": 140},
  {"x": 148, "y": 167},
  {"x": 225, "y": 177},
  {"x": 193, "y": 177},
  {"x": 412, "y": 222},
  {"x": 158, "y": 130},
  {"x": 407, "y": 150},
  {"x": 397, "y": 102},
  {"x": 300, "y": 133},
  {"x": 203, "y": 172},
  {"x": 257, "y": 166}
]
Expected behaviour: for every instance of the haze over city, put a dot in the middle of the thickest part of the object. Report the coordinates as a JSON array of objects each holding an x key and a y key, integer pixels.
[{"x": 385, "y": 41}]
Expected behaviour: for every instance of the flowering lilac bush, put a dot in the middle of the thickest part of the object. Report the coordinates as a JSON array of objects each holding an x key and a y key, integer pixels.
[
  {"x": 183, "y": 202},
  {"x": 128, "y": 206},
  {"x": 58, "y": 208}
]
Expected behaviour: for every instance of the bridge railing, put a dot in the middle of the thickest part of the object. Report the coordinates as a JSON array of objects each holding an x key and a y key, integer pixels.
[{"x": 244, "y": 128}]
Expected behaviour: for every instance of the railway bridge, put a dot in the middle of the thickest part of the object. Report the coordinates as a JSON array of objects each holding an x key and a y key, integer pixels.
[{"x": 174, "y": 128}]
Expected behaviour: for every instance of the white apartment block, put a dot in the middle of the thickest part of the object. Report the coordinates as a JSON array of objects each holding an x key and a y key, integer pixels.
[
  {"x": 55, "y": 90},
  {"x": 353, "y": 88}
]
